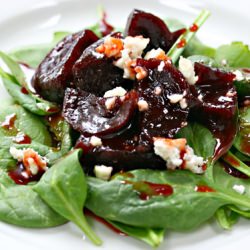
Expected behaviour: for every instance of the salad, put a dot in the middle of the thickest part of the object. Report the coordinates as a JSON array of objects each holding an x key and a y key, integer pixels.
[{"x": 144, "y": 128}]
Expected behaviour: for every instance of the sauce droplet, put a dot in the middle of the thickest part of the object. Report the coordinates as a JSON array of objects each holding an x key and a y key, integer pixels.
[
  {"x": 182, "y": 43},
  {"x": 20, "y": 177},
  {"x": 9, "y": 122},
  {"x": 146, "y": 189},
  {"x": 204, "y": 189},
  {"x": 22, "y": 139},
  {"x": 104, "y": 222},
  {"x": 194, "y": 28},
  {"x": 24, "y": 91},
  {"x": 231, "y": 160}
]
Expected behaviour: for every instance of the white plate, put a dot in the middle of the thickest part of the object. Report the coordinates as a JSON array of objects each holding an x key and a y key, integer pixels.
[{"x": 30, "y": 21}]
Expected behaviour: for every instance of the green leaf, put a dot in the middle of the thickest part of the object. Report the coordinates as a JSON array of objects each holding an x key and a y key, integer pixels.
[
  {"x": 34, "y": 54},
  {"x": 196, "y": 47},
  {"x": 236, "y": 54},
  {"x": 117, "y": 200},
  {"x": 199, "y": 138},
  {"x": 25, "y": 123},
  {"x": 242, "y": 142},
  {"x": 14, "y": 83},
  {"x": 63, "y": 187},
  {"x": 14, "y": 68},
  {"x": 21, "y": 206},
  {"x": 226, "y": 217},
  {"x": 153, "y": 237},
  {"x": 203, "y": 59}
]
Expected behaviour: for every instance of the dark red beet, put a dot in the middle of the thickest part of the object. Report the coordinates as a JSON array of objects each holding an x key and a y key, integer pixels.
[
  {"x": 122, "y": 152},
  {"x": 151, "y": 26},
  {"x": 132, "y": 147},
  {"x": 216, "y": 106},
  {"x": 95, "y": 73},
  {"x": 54, "y": 73},
  {"x": 162, "y": 119},
  {"x": 88, "y": 114},
  {"x": 105, "y": 27}
]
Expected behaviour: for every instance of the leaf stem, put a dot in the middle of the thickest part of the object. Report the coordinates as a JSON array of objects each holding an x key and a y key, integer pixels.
[
  {"x": 84, "y": 226},
  {"x": 175, "y": 52},
  {"x": 236, "y": 163}
]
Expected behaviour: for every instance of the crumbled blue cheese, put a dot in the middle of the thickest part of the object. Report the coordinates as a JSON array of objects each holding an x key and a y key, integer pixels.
[
  {"x": 238, "y": 75},
  {"x": 31, "y": 159},
  {"x": 118, "y": 91},
  {"x": 110, "y": 103},
  {"x": 133, "y": 48},
  {"x": 161, "y": 66},
  {"x": 154, "y": 53},
  {"x": 239, "y": 189},
  {"x": 95, "y": 141},
  {"x": 178, "y": 98},
  {"x": 186, "y": 67},
  {"x": 170, "y": 151},
  {"x": 103, "y": 172},
  {"x": 142, "y": 105}
]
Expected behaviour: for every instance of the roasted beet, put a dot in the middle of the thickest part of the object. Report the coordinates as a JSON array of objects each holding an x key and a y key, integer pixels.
[
  {"x": 165, "y": 114},
  {"x": 89, "y": 114},
  {"x": 132, "y": 147},
  {"x": 215, "y": 105},
  {"x": 151, "y": 26},
  {"x": 122, "y": 152},
  {"x": 95, "y": 73},
  {"x": 54, "y": 73}
]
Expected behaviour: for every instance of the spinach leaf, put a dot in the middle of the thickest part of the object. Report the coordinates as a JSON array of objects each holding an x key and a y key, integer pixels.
[
  {"x": 226, "y": 217},
  {"x": 117, "y": 200},
  {"x": 242, "y": 88},
  {"x": 203, "y": 59},
  {"x": 153, "y": 237},
  {"x": 196, "y": 47},
  {"x": 65, "y": 142},
  {"x": 21, "y": 206},
  {"x": 24, "y": 123},
  {"x": 236, "y": 54},
  {"x": 63, "y": 187},
  {"x": 34, "y": 54},
  {"x": 199, "y": 138},
  {"x": 14, "y": 84},
  {"x": 242, "y": 142}
]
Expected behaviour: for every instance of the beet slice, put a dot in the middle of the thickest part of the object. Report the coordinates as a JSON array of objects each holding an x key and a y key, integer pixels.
[
  {"x": 54, "y": 73},
  {"x": 215, "y": 105},
  {"x": 121, "y": 152},
  {"x": 95, "y": 73},
  {"x": 151, "y": 26},
  {"x": 88, "y": 114},
  {"x": 132, "y": 147},
  {"x": 163, "y": 118}
]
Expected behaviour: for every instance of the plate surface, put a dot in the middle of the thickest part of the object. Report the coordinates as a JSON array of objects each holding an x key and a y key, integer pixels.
[{"x": 30, "y": 21}]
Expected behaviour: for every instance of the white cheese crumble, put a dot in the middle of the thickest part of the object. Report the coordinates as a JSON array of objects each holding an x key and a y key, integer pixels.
[
  {"x": 118, "y": 91},
  {"x": 133, "y": 48},
  {"x": 95, "y": 141},
  {"x": 135, "y": 45},
  {"x": 157, "y": 90},
  {"x": 239, "y": 189},
  {"x": 110, "y": 103},
  {"x": 161, "y": 66},
  {"x": 170, "y": 151},
  {"x": 186, "y": 67},
  {"x": 142, "y": 105},
  {"x": 238, "y": 75},
  {"x": 193, "y": 162},
  {"x": 31, "y": 159},
  {"x": 103, "y": 172},
  {"x": 154, "y": 53},
  {"x": 178, "y": 98},
  {"x": 175, "y": 98}
]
